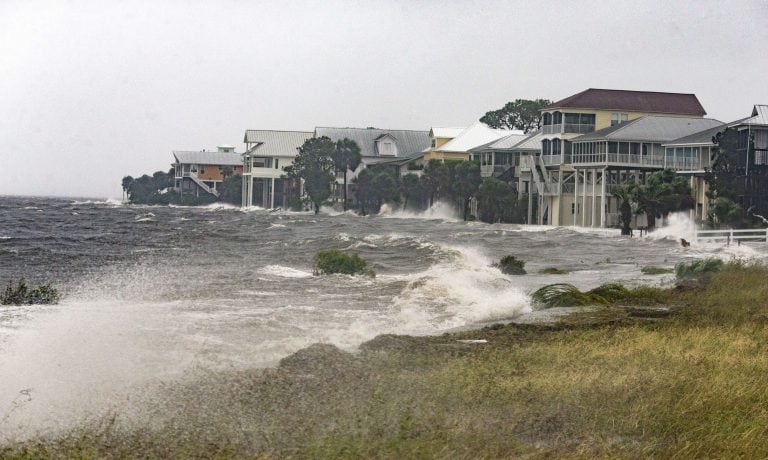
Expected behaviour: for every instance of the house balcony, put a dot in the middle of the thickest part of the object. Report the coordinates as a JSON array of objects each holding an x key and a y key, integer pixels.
[
  {"x": 686, "y": 164},
  {"x": 556, "y": 159},
  {"x": 618, "y": 159},
  {"x": 268, "y": 173}
]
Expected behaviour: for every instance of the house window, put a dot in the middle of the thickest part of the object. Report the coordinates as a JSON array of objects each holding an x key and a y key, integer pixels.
[
  {"x": 387, "y": 150},
  {"x": 434, "y": 142},
  {"x": 618, "y": 117}
]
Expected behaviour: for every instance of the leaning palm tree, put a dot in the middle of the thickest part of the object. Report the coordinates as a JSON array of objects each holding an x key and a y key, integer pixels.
[
  {"x": 624, "y": 195},
  {"x": 346, "y": 157}
]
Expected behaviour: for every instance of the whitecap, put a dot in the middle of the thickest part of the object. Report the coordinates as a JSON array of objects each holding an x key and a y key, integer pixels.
[{"x": 284, "y": 272}]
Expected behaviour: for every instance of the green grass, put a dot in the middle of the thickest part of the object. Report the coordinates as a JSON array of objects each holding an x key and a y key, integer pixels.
[{"x": 608, "y": 383}]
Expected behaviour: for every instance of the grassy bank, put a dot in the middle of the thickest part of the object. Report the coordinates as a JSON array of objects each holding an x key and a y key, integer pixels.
[{"x": 615, "y": 382}]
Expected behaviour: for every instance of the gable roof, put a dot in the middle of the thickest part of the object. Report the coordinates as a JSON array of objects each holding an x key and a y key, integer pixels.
[
  {"x": 445, "y": 133},
  {"x": 505, "y": 143},
  {"x": 207, "y": 158},
  {"x": 276, "y": 143},
  {"x": 408, "y": 142},
  {"x": 759, "y": 116},
  {"x": 651, "y": 128},
  {"x": 634, "y": 101},
  {"x": 476, "y": 135}
]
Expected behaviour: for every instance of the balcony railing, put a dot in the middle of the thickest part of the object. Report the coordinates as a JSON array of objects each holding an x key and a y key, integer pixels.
[
  {"x": 684, "y": 164},
  {"x": 557, "y": 159},
  {"x": 619, "y": 159},
  {"x": 552, "y": 129}
]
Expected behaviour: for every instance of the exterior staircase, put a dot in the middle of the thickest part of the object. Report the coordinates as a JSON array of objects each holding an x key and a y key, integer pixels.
[{"x": 203, "y": 185}]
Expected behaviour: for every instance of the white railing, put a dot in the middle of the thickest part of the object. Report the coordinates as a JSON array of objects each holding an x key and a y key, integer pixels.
[
  {"x": 202, "y": 184},
  {"x": 486, "y": 170},
  {"x": 684, "y": 164},
  {"x": 619, "y": 158},
  {"x": 726, "y": 236},
  {"x": 526, "y": 162}
]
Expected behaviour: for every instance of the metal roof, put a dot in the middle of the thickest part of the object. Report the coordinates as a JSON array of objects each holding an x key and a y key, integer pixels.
[
  {"x": 276, "y": 143},
  {"x": 207, "y": 158},
  {"x": 652, "y": 129},
  {"x": 408, "y": 142},
  {"x": 474, "y": 136},
  {"x": 633, "y": 101},
  {"x": 446, "y": 133},
  {"x": 759, "y": 116}
]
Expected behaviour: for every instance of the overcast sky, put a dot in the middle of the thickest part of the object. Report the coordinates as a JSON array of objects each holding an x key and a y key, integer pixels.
[{"x": 91, "y": 91}]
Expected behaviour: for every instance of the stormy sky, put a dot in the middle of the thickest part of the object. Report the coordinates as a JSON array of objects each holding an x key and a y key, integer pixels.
[{"x": 91, "y": 91}]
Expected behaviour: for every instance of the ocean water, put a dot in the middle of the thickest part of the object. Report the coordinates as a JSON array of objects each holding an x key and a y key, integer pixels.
[{"x": 153, "y": 295}]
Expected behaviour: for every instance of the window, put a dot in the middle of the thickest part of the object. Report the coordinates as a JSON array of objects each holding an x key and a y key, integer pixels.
[
  {"x": 434, "y": 143},
  {"x": 618, "y": 117},
  {"x": 276, "y": 163}
]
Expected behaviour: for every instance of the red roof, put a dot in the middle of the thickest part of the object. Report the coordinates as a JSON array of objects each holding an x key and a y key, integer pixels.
[{"x": 632, "y": 101}]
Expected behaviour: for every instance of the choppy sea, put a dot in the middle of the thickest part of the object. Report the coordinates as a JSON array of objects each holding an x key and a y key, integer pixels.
[{"x": 156, "y": 294}]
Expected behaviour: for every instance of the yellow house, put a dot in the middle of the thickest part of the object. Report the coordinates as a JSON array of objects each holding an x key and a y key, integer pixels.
[
  {"x": 572, "y": 192},
  {"x": 455, "y": 143}
]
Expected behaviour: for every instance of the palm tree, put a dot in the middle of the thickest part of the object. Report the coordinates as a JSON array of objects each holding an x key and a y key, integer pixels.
[
  {"x": 346, "y": 157},
  {"x": 624, "y": 194},
  {"x": 127, "y": 183}
]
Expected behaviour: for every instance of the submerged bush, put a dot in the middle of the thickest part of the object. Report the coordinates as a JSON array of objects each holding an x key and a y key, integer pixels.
[
  {"x": 553, "y": 271},
  {"x": 22, "y": 295},
  {"x": 334, "y": 261},
  {"x": 698, "y": 268},
  {"x": 656, "y": 270},
  {"x": 510, "y": 265}
]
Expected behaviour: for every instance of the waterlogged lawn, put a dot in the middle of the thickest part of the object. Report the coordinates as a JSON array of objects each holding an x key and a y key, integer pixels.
[{"x": 610, "y": 383}]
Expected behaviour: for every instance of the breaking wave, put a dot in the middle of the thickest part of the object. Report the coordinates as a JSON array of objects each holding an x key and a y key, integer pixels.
[{"x": 438, "y": 211}]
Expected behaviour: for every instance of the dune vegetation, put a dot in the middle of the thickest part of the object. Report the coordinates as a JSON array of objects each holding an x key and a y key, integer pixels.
[{"x": 625, "y": 379}]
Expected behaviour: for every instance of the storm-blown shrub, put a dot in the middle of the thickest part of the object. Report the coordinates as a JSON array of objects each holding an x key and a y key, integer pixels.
[
  {"x": 698, "y": 268},
  {"x": 20, "y": 294},
  {"x": 510, "y": 265},
  {"x": 334, "y": 261},
  {"x": 568, "y": 295}
]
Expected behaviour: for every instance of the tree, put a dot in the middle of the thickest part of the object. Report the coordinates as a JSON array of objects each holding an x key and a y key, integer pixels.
[
  {"x": 127, "y": 184},
  {"x": 497, "y": 201},
  {"x": 227, "y": 172},
  {"x": 624, "y": 195},
  {"x": 374, "y": 188},
  {"x": 436, "y": 179},
  {"x": 346, "y": 157},
  {"x": 231, "y": 190},
  {"x": 314, "y": 164},
  {"x": 466, "y": 180},
  {"x": 663, "y": 192},
  {"x": 522, "y": 114},
  {"x": 410, "y": 187}
]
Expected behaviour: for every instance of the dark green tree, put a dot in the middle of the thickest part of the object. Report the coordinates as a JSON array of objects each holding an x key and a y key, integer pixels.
[
  {"x": 466, "y": 180},
  {"x": 374, "y": 188},
  {"x": 663, "y": 192},
  {"x": 624, "y": 195},
  {"x": 436, "y": 179},
  {"x": 346, "y": 157},
  {"x": 497, "y": 201},
  {"x": 410, "y": 188},
  {"x": 522, "y": 114},
  {"x": 231, "y": 190},
  {"x": 314, "y": 164},
  {"x": 127, "y": 184}
]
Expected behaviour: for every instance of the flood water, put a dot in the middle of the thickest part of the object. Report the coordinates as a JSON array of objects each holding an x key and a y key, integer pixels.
[{"x": 152, "y": 295}]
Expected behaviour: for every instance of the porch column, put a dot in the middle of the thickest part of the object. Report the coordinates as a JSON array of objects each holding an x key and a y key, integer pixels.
[
  {"x": 603, "y": 201},
  {"x": 576, "y": 197},
  {"x": 594, "y": 198},
  {"x": 272, "y": 195},
  {"x": 584, "y": 202}
]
